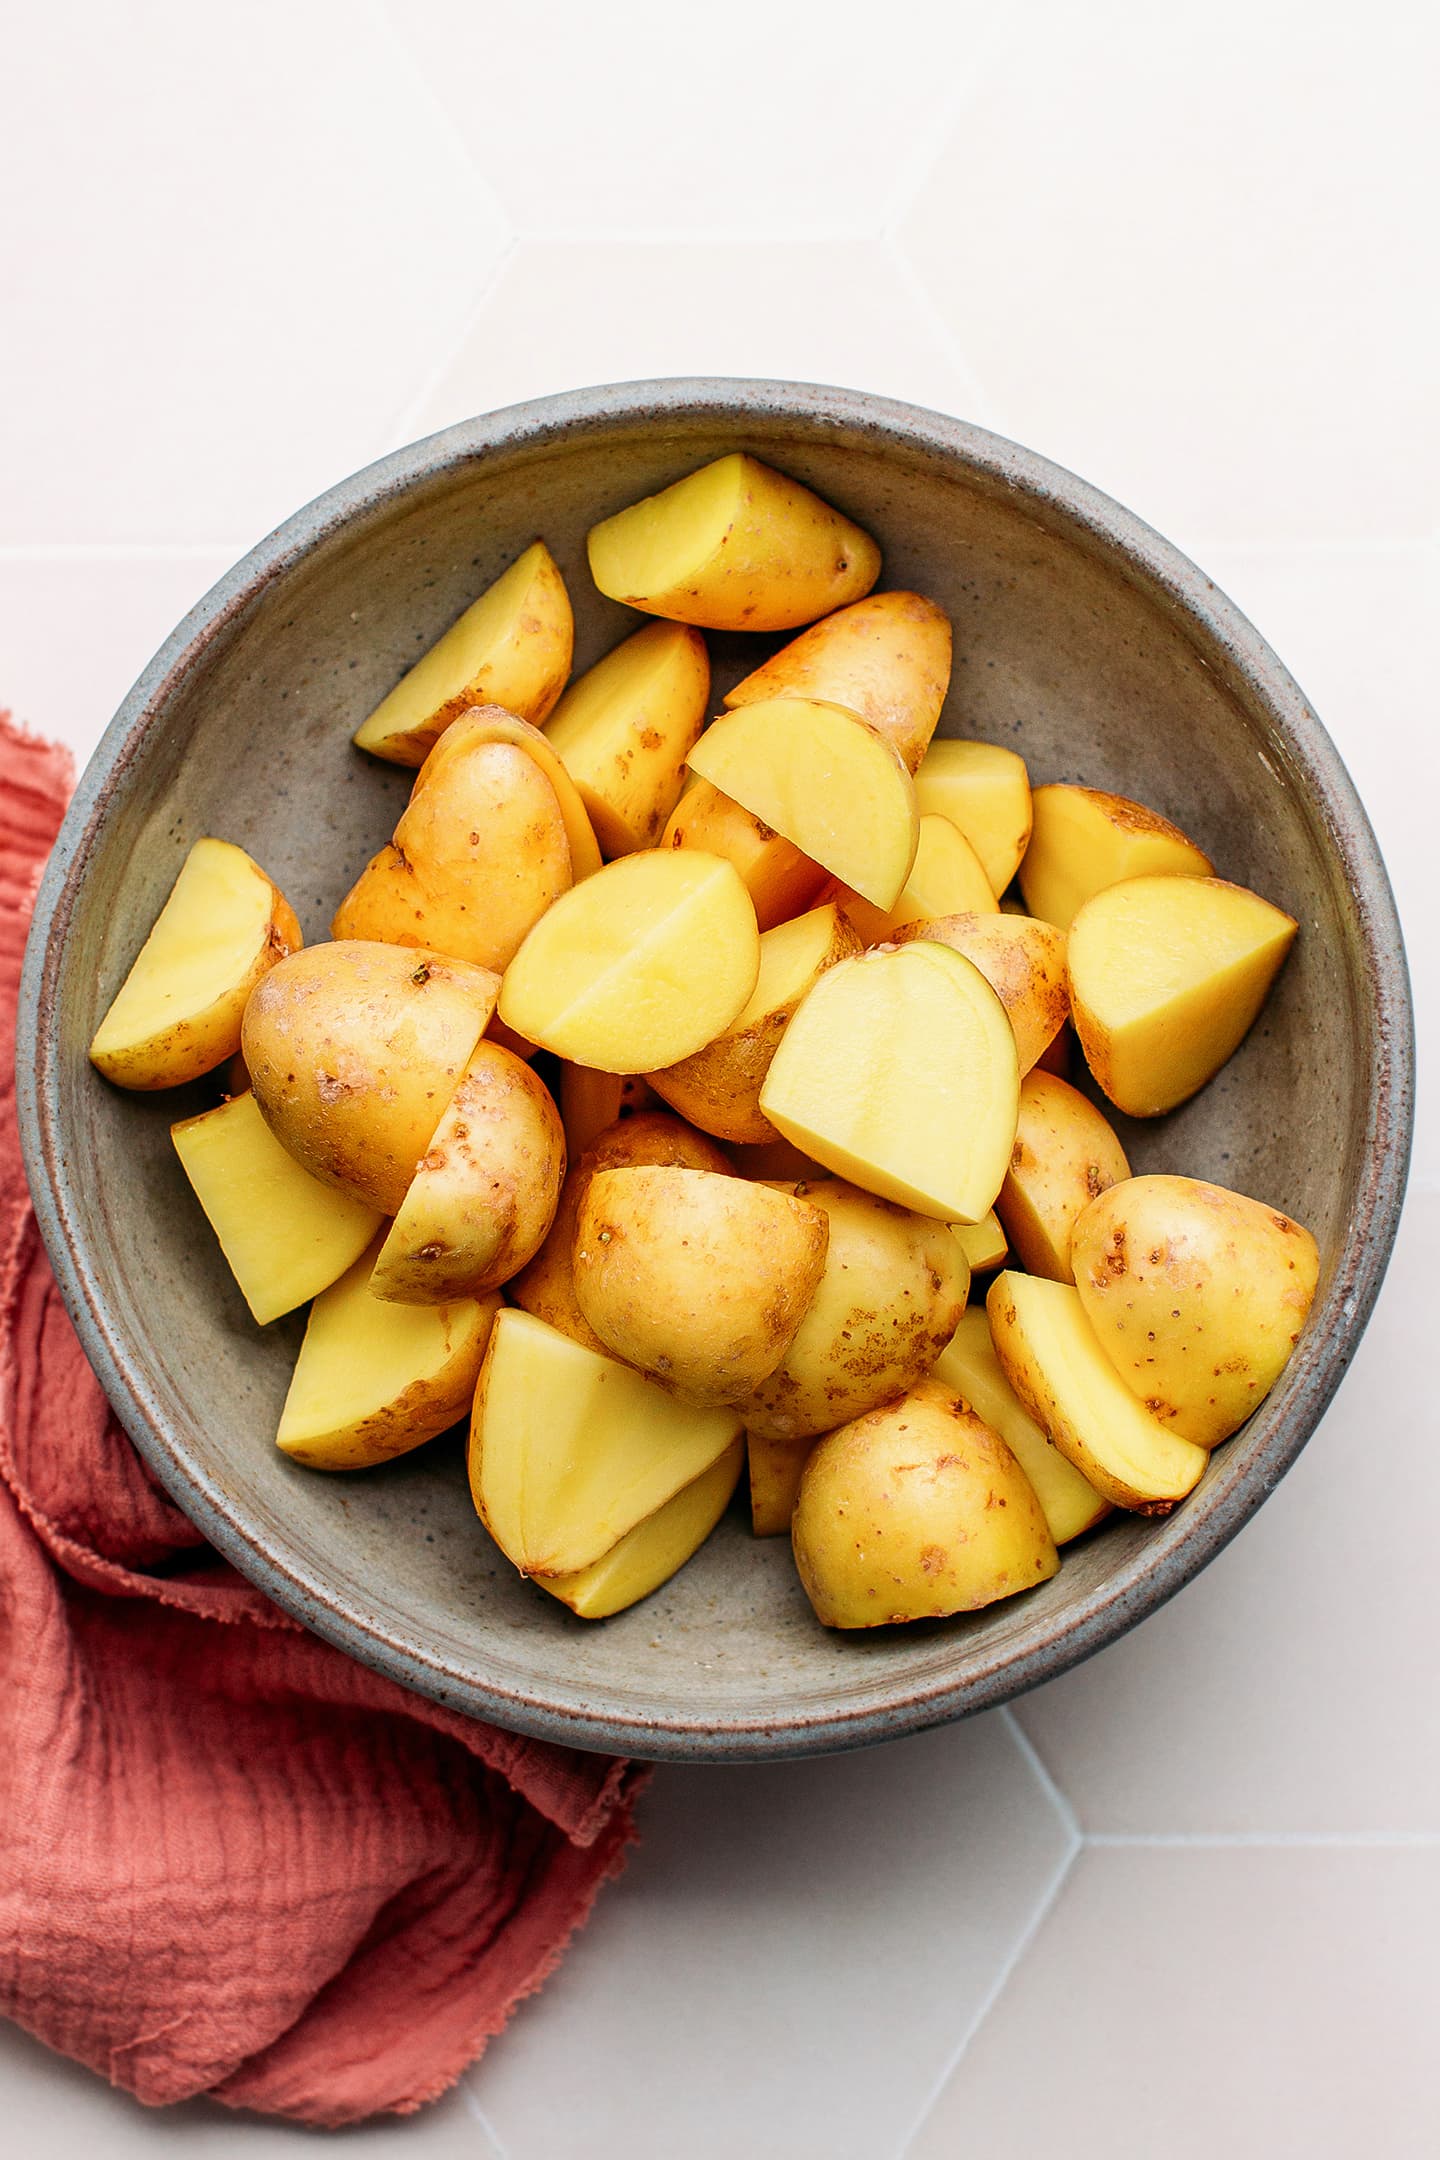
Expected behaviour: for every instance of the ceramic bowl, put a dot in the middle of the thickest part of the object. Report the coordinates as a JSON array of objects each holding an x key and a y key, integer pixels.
[{"x": 1082, "y": 639}]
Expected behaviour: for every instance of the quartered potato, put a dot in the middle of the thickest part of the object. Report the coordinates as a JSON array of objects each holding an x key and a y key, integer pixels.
[
  {"x": 1083, "y": 840},
  {"x": 625, "y": 728},
  {"x": 945, "y": 878},
  {"x": 1065, "y": 1155},
  {"x": 885, "y": 658},
  {"x": 780, "y": 880},
  {"x": 1022, "y": 959},
  {"x": 985, "y": 790},
  {"x": 655, "y": 1549},
  {"x": 983, "y": 1243},
  {"x": 968, "y": 1364}
]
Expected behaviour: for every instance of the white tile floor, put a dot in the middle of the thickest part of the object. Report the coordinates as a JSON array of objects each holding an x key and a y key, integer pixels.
[{"x": 1186, "y": 252}]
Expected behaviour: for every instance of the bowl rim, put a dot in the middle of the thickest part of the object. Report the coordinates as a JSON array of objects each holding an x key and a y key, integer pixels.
[{"x": 1187, "y": 1540}]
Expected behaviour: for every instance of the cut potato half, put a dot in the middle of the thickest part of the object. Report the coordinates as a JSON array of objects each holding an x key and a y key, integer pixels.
[
  {"x": 985, "y": 790},
  {"x": 1167, "y": 975},
  {"x": 899, "y": 1072},
  {"x": 1053, "y": 1360},
  {"x": 779, "y": 879},
  {"x": 1083, "y": 840},
  {"x": 886, "y": 658},
  {"x": 640, "y": 966},
  {"x": 569, "y": 1450},
  {"x": 179, "y": 1010},
  {"x": 1022, "y": 959},
  {"x": 1065, "y": 1155},
  {"x": 945, "y": 879},
  {"x": 374, "y": 1380},
  {"x": 655, "y": 1549},
  {"x": 286, "y": 1236},
  {"x": 969, "y": 1365},
  {"x": 511, "y": 647},
  {"x": 625, "y": 728},
  {"x": 734, "y": 546},
  {"x": 833, "y": 787}
]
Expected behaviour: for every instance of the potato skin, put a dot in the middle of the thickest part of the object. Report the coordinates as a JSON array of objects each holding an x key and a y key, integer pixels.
[
  {"x": 354, "y": 1050},
  {"x": 780, "y": 880},
  {"x": 890, "y": 1299},
  {"x": 1022, "y": 959},
  {"x": 1065, "y": 1156},
  {"x": 1197, "y": 1295},
  {"x": 546, "y": 1287},
  {"x": 915, "y": 1511},
  {"x": 886, "y": 657}
]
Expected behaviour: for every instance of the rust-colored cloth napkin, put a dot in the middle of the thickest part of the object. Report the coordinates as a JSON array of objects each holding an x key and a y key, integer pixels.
[{"x": 231, "y": 1861}]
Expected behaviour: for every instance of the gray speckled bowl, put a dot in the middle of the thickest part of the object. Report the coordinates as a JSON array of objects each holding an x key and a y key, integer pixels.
[{"x": 1081, "y": 638}]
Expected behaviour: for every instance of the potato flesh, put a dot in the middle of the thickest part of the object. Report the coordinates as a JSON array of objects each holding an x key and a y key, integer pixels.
[
  {"x": 983, "y": 1243},
  {"x": 968, "y": 1364},
  {"x": 718, "y": 1088},
  {"x": 643, "y": 964},
  {"x": 1167, "y": 976},
  {"x": 374, "y": 1380},
  {"x": 780, "y": 880},
  {"x": 1198, "y": 1296},
  {"x": 733, "y": 546},
  {"x": 1053, "y": 1360},
  {"x": 484, "y": 1193},
  {"x": 885, "y": 658},
  {"x": 1065, "y": 1156},
  {"x": 899, "y": 1072},
  {"x": 1021, "y": 958},
  {"x": 916, "y": 1511},
  {"x": 985, "y": 790},
  {"x": 570, "y": 1450},
  {"x": 833, "y": 787},
  {"x": 1084, "y": 840},
  {"x": 286, "y": 1236},
  {"x": 178, "y": 1012},
  {"x": 511, "y": 647},
  {"x": 624, "y": 730},
  {"x": 945, "y": 879},
  {"x": 655, "y": 1549},
  {"x": 776, "y": 1468}
]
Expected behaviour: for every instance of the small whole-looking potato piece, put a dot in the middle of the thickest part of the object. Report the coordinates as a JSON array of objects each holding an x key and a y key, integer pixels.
[
  {"x": 179, "y": 1010},
  {"x": 1084, "y": 840},
  {"x": 1167, "y": 975},
  {"x": 1022, "y": 959},
  {"x": 886, "y": 657},
  {"x": 354, "y": 1050},
  {"x": 484, "y": 1193},
  {"x": 985, "y": 790},
  {"x": 1198, "y": 1296},
  {"x": 479, "y": 854},
  {"x": 914, "y": 1511},
  {"x": 779, "y": 879},
  {"x": 889, "y": 1300},
  {"x": 946, "y": 878},
  {"x": 546, "y": 1288},
  {"x": 1065, "y": 1156},
  {"x": 511, "y": 647},
  {"x": 969, "y": 1365},
  {"x": 625, "y": 728},
  {"x": 718, "y": 1088},
  {"x": 655, "y": 1549},
  {"x": 699, "y": 1280},
  {"x": 734, "y": 546}
]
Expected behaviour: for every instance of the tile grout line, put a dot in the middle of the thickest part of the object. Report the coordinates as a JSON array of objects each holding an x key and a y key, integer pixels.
[
  {"x": 1264, "y": 1840},
  {"x": 982, "y": 411},
  {"x": 382, "y": 17},
  {"x": 478, "y": 2114},
  {"x": 407, "y": 418},
  {"x": 1042, "y": 1773}
]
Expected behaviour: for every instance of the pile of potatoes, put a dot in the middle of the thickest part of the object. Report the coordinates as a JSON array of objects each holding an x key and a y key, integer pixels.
[{"x": 665, "y": 1084}]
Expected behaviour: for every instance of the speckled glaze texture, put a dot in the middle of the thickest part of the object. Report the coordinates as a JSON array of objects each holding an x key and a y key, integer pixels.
[{"x": 1083, "y": 639}]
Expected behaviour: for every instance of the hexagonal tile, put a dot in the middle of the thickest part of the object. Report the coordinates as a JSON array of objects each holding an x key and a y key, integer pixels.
[
  {"x": 1191, "y": 270},
  {"x": 246, "y": 241},
  {"x": 788, "y": 1961}
]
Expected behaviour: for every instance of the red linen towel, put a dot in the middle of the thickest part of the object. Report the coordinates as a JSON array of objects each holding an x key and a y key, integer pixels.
[{"x": 231, "y": 1861}]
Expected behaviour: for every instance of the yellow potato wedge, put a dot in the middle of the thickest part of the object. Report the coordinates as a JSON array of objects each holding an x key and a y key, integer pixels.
[
  {"x": 374, "y": 1380},
  {"x": 699, "y": 1280},
  {"x": 718, "y": 1088},
  {"x": 625, "y": 728},
  {"x": 1084, "y": 840},
  {"x": 492, "y": 724},
  {"x": 1167, "y": 975},
  {"x": 484, "y": 1193},
  {"x": 985, "y": 790},
  {"x": 1051, "y": 1357},
  {"x": 179, "y": 1010},
  {"x": 734, "y": 546},
  {"x": 886, "y": 658},
  {"x": 779, "y": 879},
  {"x": 824, "y": 780},
  {"x": 655, "y": 1549},
  {"x": 511, "y": 647},
  {"x": 915, "y": 1511},
  {"x": 1065, "y": 1155},
  {"x": 591, "y": 1102},
  {"x": 968, "y": 1364},
  {"x": 642, "y": 965},
  {"x": 1198, "y": 1296},
  {"x": 569, "y": 1450},
  {"x": 776, "y": 1467},
  {"x": 899, "y": 1072},
  {"x": 945, "y": 879},
  {"x": 1023, "y": 961},
  {"x": 983, "y": 1243},
  {"x": 285, "y": 1235}
]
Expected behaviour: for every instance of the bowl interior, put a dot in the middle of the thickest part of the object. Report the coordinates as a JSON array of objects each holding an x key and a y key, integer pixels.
[{"x": 1080, "y": 640}]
